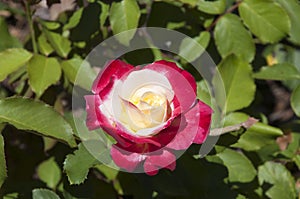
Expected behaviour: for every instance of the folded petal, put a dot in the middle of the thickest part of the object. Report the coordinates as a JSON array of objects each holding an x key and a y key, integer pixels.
[
  {"x": 125, "y": 159},
  {"x": 154, "y": 162},
  {"x": 205, "y": 120},
  {"x": 189, "y": 130}
]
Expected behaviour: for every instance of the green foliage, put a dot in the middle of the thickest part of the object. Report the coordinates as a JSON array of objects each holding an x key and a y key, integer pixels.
[
  {"x": 37, "y": 117},
  {"x": 49, "y": 172},
  {"x": 79, "y": 72},
  {"x": 267, "y": 20},
  {"x": 124, "y": 16},
  {"x": 283, "y": 184},
  {"x": 43, "y": 193},
  {"x": 44, "y": 46},
  {"x": 212, "y": 7},
  {"x": 11, "y": 60},
  {"x": 282, "y": 71},
  {"x": 292, "y": 8},
  {"x": 232, "y": 38},
  {"x": 61, "y": 44},
  {"x": 3, "y": 172},
  {"x": 239, "y": 167},
  {"x": 295, "y": 100},
  {"x": 77, "y": 166},
  {"x": 236, "y": 75},
  {"x": 191, "y": 49},
  {"x": 257, "y": 136},
  {"x": 7, "y": 40},
  {"x": 39, "y": 68},
  {"x": 43, "y": 75}
]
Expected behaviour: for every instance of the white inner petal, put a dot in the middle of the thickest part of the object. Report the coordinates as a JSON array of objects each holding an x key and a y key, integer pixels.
[
  {"x": 141, "y": 102},
  {"x": 144, "y": 78}
]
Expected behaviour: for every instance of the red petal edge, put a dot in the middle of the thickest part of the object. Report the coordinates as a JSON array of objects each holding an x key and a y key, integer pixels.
[
  {"x": 153, "y": 163},
  {"x": 124, "y": 159},
  {"x": 183, "y": 83},
  {"x": 115, "y": 69},
  {"x": 196, "y": 129}
]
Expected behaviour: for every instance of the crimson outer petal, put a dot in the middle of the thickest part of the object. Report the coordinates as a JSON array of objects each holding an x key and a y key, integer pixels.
[
  {"x": 124, "y": 159},
  {"x": 154, "y": 162},
  {"x": 95, "y": 119},
  {"x": 196, "y": 129},
  {"x": 204, "y": 123},
  {"x": 182, "y": 82},
  {"x": 115, "y": 69}
]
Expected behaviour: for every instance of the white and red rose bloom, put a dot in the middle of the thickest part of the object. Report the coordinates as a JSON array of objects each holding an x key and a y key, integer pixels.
[{"x": 150, "y": 111}]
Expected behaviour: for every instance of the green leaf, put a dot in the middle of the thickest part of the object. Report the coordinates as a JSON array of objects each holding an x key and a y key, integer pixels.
[
  {"x": 257, "y": 136},
  {"x": 203, "y": 92},
  {"x": 232, "y": 38},
  {"x": 43, "y": 72},
  {"x": 238, "y": 83},
  {"x": 49, "y": 172},
  {"x": 192, "y": 3},
  {"x": 212, "y": 7},
  {"x": 292, "y": 8},
  {"x": 11, "y": 196},
  {"x": 295, "y": 101},
  {"x": 191, "y": 49},
  {"x": 124, "y": 16},
  {"x": 44, "y": 194},
  {"x": 44, "y": 47},
  {"x": 291, "y": 151},
  {"x": 104, "y": 13},
  {"x": 36, "y": 116},
  {"x": 50, "y": 25},
  {"x": 11, "y": 60},
  {"x": 61, "y": 44},
  {"x": 77, "y": 165},
  {"x": 3, "y": 171},
  {"x": 7, "y": 40},
  {"x": 281, "y": 179},
  {"x": 284, "y": 71},
  {"x": 79, "y": 72},
  {"x": 266, "y": 19},
  {"x": 74, "y": 19},
  {"x": 240, "y": 169}
]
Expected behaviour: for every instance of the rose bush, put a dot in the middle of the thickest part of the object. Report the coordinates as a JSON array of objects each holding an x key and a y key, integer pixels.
[{"x": 151, "y": 112}]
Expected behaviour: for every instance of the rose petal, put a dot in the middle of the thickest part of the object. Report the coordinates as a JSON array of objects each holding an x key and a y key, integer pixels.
[
  {"x": 123, "y": 131},
  {"x": 186, "y": 74},
  {"x": 154, "y": 162},
  {"x": 96, "y": 119},
  {"x": 124, "y": 159},
  {"x": 182, "y": 84},
  {"x": 186, "y": 135},
  {"x": 205, "y": 120},
  {"x": 115, "y": 69},
  {"x": 92, "y": 120},
  {"x": 144, "y": 77}
]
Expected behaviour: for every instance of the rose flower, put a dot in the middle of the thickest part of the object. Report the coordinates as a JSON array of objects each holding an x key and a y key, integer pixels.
[{"x": 150, "y": 111}]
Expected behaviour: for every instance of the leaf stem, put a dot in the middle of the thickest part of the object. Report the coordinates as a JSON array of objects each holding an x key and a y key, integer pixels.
[
  {"x": 229, "y": 10},
  {"x": 31, "y": 28}
]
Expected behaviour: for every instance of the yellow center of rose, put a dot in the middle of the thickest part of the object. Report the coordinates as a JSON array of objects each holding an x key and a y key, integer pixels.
[
  {"x": 151, "y": 98},
  {"x": 146, "y": 108}
]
